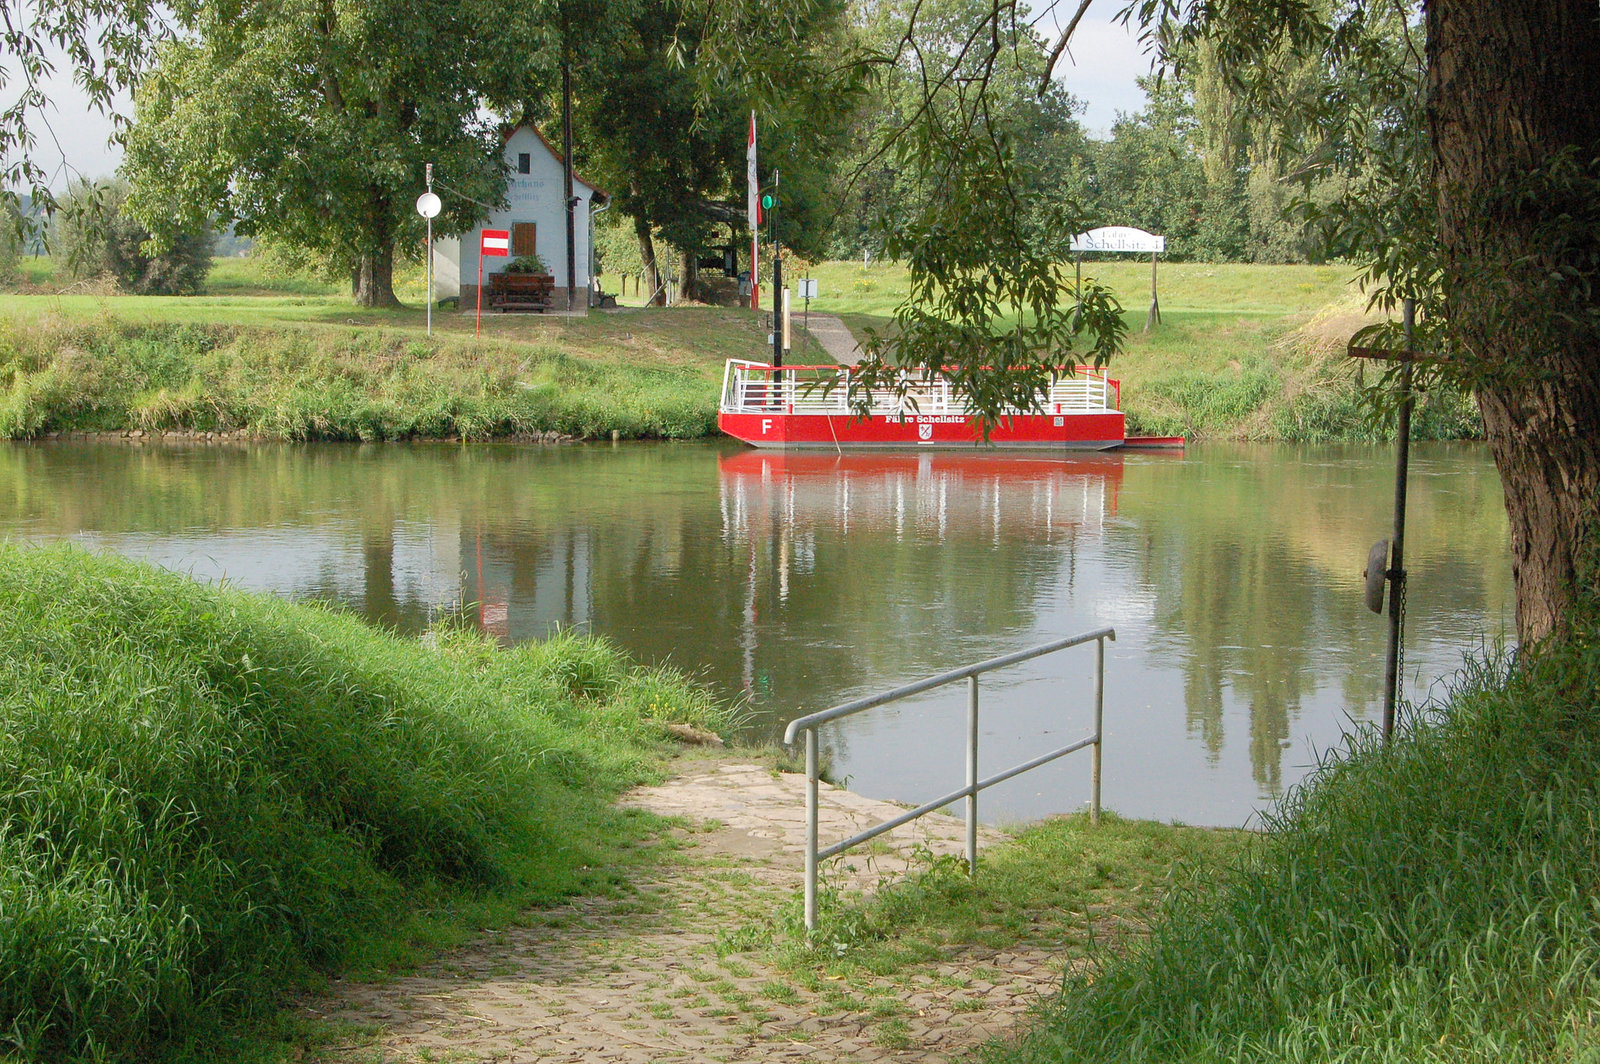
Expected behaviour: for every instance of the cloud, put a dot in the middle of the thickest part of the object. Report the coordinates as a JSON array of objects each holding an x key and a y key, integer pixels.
[{"x": 1100, "y": 66}]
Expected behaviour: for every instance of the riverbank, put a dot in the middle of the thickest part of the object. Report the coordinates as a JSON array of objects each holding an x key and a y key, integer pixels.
[
  {"x": 216, "y": 802},
  {"x": 210, "y": 798},
  {"x": 1243, "y": 352},
  {"x": 313, "y": 381},
  {"x": 1433, "y": 901}
]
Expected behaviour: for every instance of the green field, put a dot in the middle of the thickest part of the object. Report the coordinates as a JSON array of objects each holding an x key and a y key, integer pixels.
[{"x": 1253, "y": 352}]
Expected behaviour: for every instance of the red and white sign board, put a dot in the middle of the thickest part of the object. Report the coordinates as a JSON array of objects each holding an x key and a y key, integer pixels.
[{"x": 495, "y": 242}]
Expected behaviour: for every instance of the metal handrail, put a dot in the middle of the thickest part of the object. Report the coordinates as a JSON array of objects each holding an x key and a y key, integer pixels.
[
  {"x": 754, "y": 387},
  {"x": 970, "y": 673}
]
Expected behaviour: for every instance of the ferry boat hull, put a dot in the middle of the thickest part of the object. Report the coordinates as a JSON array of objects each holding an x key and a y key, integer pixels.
[{"x": 1048, "y": 432}]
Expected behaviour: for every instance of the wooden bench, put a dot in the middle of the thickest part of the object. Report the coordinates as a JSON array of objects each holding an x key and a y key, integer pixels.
[{"x": 520, "y": 291}]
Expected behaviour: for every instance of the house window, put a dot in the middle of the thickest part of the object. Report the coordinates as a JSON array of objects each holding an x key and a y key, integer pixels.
[{"x": 524, "y": 162}]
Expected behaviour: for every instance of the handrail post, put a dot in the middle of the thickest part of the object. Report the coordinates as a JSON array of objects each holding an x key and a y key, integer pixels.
[
  {"x": 1099, "y": 728},
  {"x": 811, "y": 829},
  {"x": 972, "y": 776}
]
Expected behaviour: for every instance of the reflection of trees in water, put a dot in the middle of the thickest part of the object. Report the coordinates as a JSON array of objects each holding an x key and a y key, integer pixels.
[
  {"x": 774, "y": 581},
  {"x": 807, "y": 574},
  {"x": 1257, "y": 561}
]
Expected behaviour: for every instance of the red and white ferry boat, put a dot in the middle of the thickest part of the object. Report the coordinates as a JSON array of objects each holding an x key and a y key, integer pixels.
[{"x": 809, "y": 407}]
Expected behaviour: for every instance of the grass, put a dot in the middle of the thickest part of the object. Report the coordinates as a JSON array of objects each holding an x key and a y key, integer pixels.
[
  {"x": 1434, "y": 901},
  {"x": 65, "y": 374},
  {"x": 1245, "y": 352},
  {"x": 1242, "y": 351},
  {"x": 209, "y": 797},
  {"x": 1057, "y": 885}
]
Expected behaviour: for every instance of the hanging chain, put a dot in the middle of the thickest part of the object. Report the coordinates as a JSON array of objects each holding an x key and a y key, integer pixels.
[{"x": 1400, "y": 644}]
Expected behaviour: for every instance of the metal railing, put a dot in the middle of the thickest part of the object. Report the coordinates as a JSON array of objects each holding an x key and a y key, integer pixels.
[
  {"x": 754, "y": 387},
  {"x": 970, "y": 673}
]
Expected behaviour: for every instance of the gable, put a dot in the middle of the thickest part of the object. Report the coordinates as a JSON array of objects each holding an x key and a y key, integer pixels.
[{"x": 534, "y": 161}]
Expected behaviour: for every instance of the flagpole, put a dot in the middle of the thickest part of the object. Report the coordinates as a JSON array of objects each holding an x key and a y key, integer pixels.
[{"x": 753, "y": 214}]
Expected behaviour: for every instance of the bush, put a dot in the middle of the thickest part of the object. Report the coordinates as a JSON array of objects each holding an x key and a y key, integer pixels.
[{"x": 93, "y": 236}]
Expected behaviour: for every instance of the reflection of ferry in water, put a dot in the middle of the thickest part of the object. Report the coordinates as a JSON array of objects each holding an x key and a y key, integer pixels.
[
  {"x": 940, "y": 490},
  {"x": 810, "y": 407}
]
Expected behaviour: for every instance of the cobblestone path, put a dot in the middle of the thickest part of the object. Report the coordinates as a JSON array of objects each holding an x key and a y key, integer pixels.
[{"x": 661, "y": 975}]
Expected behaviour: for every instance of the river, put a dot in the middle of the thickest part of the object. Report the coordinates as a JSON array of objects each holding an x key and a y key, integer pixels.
[{"x": 1231, "y": 572}]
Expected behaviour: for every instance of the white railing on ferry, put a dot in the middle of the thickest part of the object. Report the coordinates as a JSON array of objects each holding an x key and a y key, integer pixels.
[{"x": 755, "y": 387}]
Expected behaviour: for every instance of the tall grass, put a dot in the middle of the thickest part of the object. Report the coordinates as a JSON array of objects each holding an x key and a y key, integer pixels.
[
  {"x": 207, "y": 795},
  {"x": 309, "y": 382},
  {"x": 1435, "y": 901}
]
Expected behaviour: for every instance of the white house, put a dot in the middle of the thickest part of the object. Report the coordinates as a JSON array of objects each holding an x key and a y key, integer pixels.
[{"x": 537, "y": 220}]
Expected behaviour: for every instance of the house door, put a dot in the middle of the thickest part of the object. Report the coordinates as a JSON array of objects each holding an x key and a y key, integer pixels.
[{"x": 524, "y": 238}]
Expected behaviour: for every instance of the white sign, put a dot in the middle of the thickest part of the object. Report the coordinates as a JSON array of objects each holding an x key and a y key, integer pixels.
[
  {"x": 808, "y": 288},
  {"x": 429, "y": 205},
  {"x": 1119, "y": 238}
]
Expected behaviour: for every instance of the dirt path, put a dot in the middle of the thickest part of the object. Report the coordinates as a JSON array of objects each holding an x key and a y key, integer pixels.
[
  {"x": 668, "y": 975},
  {"x": 835, "y": 338}
]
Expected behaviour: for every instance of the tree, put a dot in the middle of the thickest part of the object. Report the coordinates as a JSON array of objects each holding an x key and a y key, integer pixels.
[
  {"x": 872, "y": 187},
  {"x": 312, "y": 122},
  {"x": 1480, "y": 199},
  {"x": 94, "y": 236},
  {"x": 666, "y": 111},
  {"x": 106, "y": 43}
]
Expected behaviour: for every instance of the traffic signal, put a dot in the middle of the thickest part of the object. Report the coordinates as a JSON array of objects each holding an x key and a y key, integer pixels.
[{"x": 767, "y": 201}]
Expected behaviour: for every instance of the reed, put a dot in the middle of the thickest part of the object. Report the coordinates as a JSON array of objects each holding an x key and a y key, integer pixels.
[{"x": 208, "y": 796}]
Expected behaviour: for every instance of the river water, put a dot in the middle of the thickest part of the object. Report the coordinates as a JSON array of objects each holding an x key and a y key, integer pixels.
[{"x": 1232, "y": 574}]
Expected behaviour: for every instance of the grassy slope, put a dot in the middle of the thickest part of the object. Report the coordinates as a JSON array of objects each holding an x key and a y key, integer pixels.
[
  {"x": 206, "y": 796},
  {"x": 293, "y": 359},
  {"x": 1432, "y": 902},
  {"x": 1243, "y": 351}
]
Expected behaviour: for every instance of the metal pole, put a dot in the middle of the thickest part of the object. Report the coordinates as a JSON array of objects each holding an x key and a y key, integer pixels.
[
  {"x": 972, "y": 776},
  {"x": 811, "y": 829},
  {"x": 1397, "y": 571},
  {"x": 1099, "y": 729},
  {"x": 566, "y": 169},
  {"x": 1077, "y": 288},
  {"x": 777, "y": 279}
]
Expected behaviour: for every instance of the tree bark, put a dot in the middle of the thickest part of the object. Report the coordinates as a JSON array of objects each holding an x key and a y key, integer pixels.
[
  {"x": 1512, "y": 86},
  {"x": 690, "y": 273},
  {"x": 373, "y": 279},
  {"x": 647, "y": 255}
]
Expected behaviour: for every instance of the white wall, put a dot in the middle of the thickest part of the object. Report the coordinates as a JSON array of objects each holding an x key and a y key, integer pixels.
[
  {"x": 446, "y": 267},
  {"x": 532, "y": 197}
]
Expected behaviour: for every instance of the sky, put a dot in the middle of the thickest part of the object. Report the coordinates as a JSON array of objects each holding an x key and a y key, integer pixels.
[{"x": 1099, "y": 69}]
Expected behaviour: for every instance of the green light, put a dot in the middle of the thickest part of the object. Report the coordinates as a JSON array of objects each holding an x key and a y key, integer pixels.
[{"x": 767, "y": 202}]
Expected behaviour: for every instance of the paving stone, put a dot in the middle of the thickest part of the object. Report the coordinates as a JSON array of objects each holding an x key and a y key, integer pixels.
[{"x": 587, "y": 982}]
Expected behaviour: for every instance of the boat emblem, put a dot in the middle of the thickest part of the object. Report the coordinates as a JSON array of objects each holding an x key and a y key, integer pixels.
[{"x": 925, "y": 432}]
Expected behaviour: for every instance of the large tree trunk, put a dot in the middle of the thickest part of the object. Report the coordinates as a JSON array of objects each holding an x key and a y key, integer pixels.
[
  {"x": 1513, "y": 84},
  {"x": 690, "y": 273},
  {"x": 372, "y": 279},
  {"x": 647, "y": 254},
  {"x": 373, "y": 275}
]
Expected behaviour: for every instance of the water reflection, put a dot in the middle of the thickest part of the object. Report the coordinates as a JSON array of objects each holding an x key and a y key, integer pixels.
[{"x": 797, "y": 581}]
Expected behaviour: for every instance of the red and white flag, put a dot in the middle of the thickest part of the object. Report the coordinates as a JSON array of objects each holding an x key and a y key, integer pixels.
[
  {"x": 495, "y": 242},
  {"x": 752, "y": 181},
  {"x": 753, "y": 210}
]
